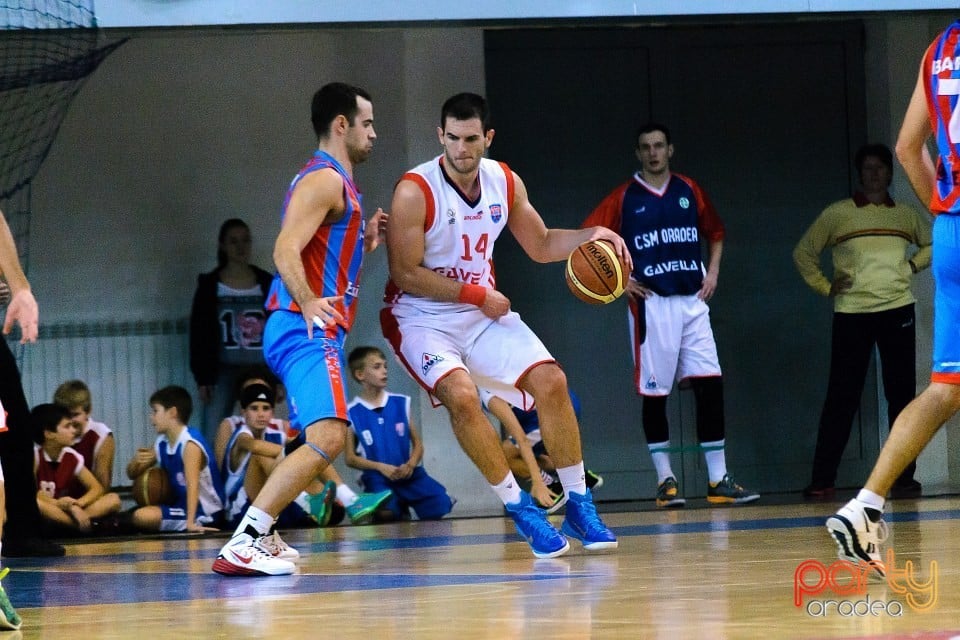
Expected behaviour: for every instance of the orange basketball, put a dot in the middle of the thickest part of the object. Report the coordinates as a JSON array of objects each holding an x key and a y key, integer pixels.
[
  {"x": 152, "y": 487},
  {"x": 595, "y": 273}
]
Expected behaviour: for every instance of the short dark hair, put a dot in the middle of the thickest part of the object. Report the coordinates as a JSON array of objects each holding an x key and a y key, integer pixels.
[
  {"x": 874, "y": 150},
  {"x": 174, "y": 396},
  {"x": 47, "y": 417},
  {"x": 332, "y": 100},
  {"x": 359, "y": 354},
  {"x": 465, "y": 106},
  {"x": 650, "y": 127}
]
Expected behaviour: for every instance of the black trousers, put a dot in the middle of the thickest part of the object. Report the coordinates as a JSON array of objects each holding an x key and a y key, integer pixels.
[
  {"x": 16, "y": 454},
  {"x": 854, "y": 336}
]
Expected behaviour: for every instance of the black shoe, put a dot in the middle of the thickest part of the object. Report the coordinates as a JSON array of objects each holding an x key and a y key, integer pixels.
[
  {"x": 32, "y": 548},
  {"x": 819, "y": 492},
  {"x": 594, "y": 480},
  {"x": 906, "y": 489}
]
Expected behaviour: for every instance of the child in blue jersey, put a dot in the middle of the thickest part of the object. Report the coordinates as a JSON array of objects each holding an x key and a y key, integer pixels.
[
  {"x": 385, "y": 445},
  {"x": 182, "y": 452}
]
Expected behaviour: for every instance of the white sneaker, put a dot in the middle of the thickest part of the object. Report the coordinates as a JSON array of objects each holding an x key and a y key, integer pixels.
[
  {"x": 243, "y": 557},
  {"x": 859, "y": 535},
  {"x": 276, "y": 547}
]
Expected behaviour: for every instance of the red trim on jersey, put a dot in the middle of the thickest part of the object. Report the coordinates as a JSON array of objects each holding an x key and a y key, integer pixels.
[
  {"x": 711, "y": 226},
  {"x": 608, "y": 213},
  {"x": 511, "y": 187},
  {"x": 945, "y": 378},
  {"x": 430, "y": 205}
]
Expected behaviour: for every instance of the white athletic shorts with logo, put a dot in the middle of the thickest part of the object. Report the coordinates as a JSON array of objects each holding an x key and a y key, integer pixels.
[
  {"x": 495, "y": 353},
  {"x": 679, "y": 343}
]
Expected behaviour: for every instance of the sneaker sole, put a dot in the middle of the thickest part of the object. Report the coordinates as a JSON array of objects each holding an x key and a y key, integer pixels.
[
  {"x": 848, "y": 548},
  {"x": 226, "y": 568},
  {"x": 671, "y": 503},
  {"x": 726, "y": 500},
  {"x": 599, "y": 545},
  {"x": 551, "y": 554},
  {"x": 366, "y": 515},
  {"x": 556, "y": 506}
]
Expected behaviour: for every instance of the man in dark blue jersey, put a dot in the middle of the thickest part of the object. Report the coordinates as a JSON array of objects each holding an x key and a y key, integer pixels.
[{"x": 664, "y": 217}]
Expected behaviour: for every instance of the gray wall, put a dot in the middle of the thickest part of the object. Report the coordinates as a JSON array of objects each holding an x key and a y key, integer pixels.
[{"x": 179, "y": 130}]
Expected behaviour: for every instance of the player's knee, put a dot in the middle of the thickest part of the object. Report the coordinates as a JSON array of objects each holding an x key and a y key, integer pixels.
[{"x": 546, "y": 381}]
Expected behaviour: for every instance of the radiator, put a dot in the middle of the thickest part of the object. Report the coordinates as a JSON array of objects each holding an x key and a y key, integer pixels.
[{"x": 123, "y": 363}]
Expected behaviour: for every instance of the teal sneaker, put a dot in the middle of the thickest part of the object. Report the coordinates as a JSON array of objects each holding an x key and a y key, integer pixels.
[
  {"x": 582, "y": 523},
  {"x": 321, "y": 503},
  {"x": 532, "y": 525},
  {"x": 361, "y": 511},
  {"x": 9, "y": 619}
]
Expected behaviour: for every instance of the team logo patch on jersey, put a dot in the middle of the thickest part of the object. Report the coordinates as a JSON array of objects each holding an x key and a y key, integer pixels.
[
  {"x": 400, "y": 428},
  {"x": 496, "y": 212},
  {"x": 451, "y": 216},
  {"x": 685, "y": 203},
  {"x": 651, "y": 383},
  {"x": 428, "y": 361}
]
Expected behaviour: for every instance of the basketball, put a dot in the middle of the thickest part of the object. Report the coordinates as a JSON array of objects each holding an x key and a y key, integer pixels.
[
  {"x": 595, "y": 273},
  {"x": 152, "y": 487}
]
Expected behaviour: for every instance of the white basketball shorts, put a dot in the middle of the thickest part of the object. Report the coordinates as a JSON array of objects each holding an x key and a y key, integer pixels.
[
  {"x": 495, "y": 353},
  {"x": 679, "y": 343}
]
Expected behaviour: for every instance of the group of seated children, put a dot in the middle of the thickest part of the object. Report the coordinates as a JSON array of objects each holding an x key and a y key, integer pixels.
[
  {"x": 73, "y": 464},
  {"x": 211, "y": 487}
]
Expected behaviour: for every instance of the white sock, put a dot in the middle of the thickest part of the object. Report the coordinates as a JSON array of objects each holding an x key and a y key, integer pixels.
[
  {"x": 508, "y": 490},
  {"x": 716, "y": 459},
  {"x": 871, "y": 499},
  {"x": 303, "y": 501},
  {"x": 259, "y": 520},
  {"x": 661, "y": 460},
  {"x": 573, "y": 479},
  {"x": 546, "y": 477},
  {"x": 346, "y": 495}
]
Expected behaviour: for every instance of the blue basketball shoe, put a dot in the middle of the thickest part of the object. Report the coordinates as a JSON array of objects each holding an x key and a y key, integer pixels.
[
  {"x": 582, "y": 523},
  {"x": 533, "y": 526}
]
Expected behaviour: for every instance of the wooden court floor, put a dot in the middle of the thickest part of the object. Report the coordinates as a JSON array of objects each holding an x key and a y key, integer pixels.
[{"x": 696, "y": 573}]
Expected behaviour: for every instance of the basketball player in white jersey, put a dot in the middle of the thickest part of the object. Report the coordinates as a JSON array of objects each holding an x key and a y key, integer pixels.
[{"x": 452, "y": 330}]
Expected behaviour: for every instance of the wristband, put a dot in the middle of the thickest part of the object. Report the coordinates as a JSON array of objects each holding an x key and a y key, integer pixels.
[{"x": 473, "y": 294}]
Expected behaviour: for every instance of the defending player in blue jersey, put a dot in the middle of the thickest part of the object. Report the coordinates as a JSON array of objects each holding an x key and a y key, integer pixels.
[
  {"x": 665, "y": 217},
  {"x": 384, "y": 444},
  {"x": 318, "y": 253},
  {"x": 858, "y": 527}
]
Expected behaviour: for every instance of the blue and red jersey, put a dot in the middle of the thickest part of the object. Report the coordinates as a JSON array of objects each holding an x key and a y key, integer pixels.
[
  {"x": 941, "y": 80},
  {"x": 663, "y": 230},
  {"x": 333, "y": 256}
]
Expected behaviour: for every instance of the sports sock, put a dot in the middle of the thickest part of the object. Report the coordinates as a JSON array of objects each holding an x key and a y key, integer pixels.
[
  {"x": 507, "y": 490},
  {"x": 346, "y": 495},
  {"x": 573, "y": 479},
  {"x": 547, "y": 478},
  {"x": 661, "y": 460},
  {"x": 716, "y": 458},
  {"x": 871, "y": 499},
  {"x": 255, "y": 523}
]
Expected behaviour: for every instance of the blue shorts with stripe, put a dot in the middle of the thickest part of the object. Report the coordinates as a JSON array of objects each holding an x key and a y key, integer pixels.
[
  {"x": 312, "y": 370},
  {"x": 946, "y": 301}
]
